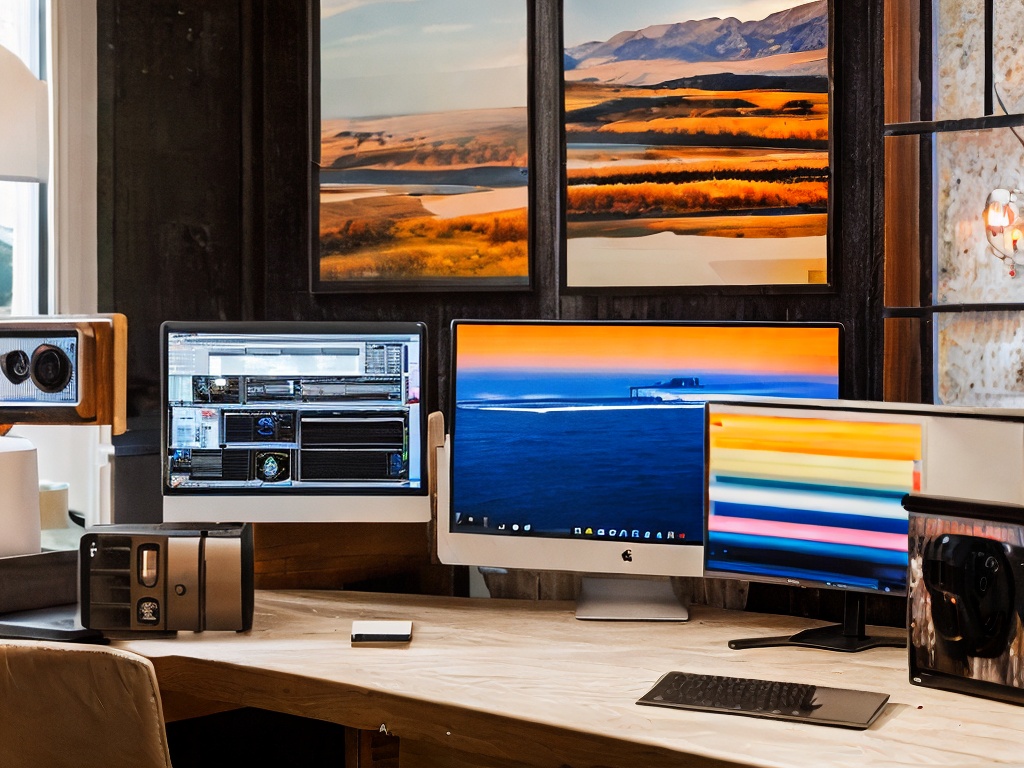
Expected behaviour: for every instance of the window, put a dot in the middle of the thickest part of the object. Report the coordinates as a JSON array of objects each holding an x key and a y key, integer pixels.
[
  {"x": 48, "y": 231},
  {"x": 22, "y": 204},
  {"x": 954, "y": 156}
]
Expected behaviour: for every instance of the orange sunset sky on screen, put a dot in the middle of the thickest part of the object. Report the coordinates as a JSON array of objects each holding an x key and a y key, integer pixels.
[{"x": 676, "y": 349}]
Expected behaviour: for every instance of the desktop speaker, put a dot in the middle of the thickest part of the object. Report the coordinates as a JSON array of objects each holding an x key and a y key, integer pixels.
[
  {"x": 966, "y": 596},
  {"x": 63, "y": 369},
  {"x": 166, "y": 577}
]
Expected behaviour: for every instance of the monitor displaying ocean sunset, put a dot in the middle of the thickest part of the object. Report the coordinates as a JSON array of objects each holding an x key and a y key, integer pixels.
[{"x": 558, "y": 423}]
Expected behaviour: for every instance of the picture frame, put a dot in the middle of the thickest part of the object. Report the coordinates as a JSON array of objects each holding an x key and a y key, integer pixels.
[
  {"x": 698, "y": 151},
  {"x": 421, "y": 146}
]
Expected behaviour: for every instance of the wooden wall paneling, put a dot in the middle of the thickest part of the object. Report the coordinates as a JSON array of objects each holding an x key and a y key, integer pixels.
[
  {"x": 857, "y": 213},
  {"x": 204, "y": 192},
  {"x": 173, "y": 168},
  {"x": 903, "y": 247},
  {"x": 901, "y": 70},
  {"x": 336, "y": 555},
  {"x": 903, "y": 253},
  {"x": 252, "y": 284},
  {"x": 265, "y": 187}
]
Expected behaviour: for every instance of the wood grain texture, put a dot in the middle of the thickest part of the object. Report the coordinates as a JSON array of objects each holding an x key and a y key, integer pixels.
[
  {"x": 333, "y": 555},
  {"x": 169, "y": 203},
  {"x": 517, "y": 683},
  {"x": 902, "y": 54},
  {"x": 184, "y": 706},
  {"x": 903, "y": 246}
]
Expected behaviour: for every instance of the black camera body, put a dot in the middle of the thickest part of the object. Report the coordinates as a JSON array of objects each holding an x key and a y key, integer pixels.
[{"x": 972, "y": 593}]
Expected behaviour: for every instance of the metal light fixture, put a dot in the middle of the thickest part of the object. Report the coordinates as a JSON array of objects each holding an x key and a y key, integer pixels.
[
  {"x": 24, "y": 122},
  {"x": 1003, "y": 227}
]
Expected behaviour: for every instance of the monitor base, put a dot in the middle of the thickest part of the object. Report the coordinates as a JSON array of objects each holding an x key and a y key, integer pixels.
[
  {"x": 850, "y": 636},
  {"x": 628, "y": 599},
  {"x": 830, "y": 638}
]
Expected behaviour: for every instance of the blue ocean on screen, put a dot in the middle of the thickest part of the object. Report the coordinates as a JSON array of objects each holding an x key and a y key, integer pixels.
[{"x": 563, "y": 453}]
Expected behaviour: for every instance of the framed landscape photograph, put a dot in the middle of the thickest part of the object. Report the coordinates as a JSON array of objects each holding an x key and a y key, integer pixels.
[
  {"x": 696, "y": 143},
  {"x": 424, "y": 142}
]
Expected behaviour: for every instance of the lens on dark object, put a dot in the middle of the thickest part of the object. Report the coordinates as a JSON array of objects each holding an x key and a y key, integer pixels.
[
  {"x": 51, "y": 368},
  {"x": 15, "y": 366}
]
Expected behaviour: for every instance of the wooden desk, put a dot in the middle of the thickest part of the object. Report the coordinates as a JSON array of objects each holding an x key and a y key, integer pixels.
[{"x": 515, "y": 683}]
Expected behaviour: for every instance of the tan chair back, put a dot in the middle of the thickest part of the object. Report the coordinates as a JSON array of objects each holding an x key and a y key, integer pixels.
[{"x": 73, "y": 704}]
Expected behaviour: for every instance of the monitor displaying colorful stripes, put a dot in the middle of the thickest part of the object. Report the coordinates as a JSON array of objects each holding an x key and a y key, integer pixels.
[{"x": 811, "y": 498}]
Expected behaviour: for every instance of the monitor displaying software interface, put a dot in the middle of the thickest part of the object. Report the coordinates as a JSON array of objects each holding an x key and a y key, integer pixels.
[
  {"x": 579, "y": 445},
  {"x": 294, "y": 421}
]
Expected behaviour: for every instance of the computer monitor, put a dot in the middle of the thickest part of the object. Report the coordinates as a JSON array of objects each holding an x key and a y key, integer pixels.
[
  {"x": 810, "y": 494},
  {"x": 294, "y": 422},
  {"x": 579, "y": 446}
]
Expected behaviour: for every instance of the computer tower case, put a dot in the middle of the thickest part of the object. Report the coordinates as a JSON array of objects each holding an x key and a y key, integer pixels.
[{"x": 166, "y": 577}]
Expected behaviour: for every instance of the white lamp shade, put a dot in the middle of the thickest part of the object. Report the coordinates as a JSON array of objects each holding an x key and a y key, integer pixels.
[
  {"x": 24, "y": 122},
  {"x": 19, "y": 514}
]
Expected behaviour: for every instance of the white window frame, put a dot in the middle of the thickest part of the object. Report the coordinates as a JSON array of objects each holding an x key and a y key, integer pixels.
[
  {"x": 24, "y": 196},
  {"x": 74, "y": 136},
  {"x": 75, "y": 454}
]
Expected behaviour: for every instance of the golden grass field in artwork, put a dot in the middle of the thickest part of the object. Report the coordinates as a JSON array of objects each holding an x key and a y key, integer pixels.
[
  {"x": 654, "y": 161},
  {"x": 711, "y": 112},
  {"x": 800, "y": 128},
  {"x": 386, "y": 232},
  {"x": 451, "y": 140},
  {"x": 652, "y": 199},
  {"x": 411, "y": 247},
  {"x": 693, "y": 151}
]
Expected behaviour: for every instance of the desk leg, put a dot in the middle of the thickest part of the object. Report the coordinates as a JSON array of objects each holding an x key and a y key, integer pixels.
[{"x": 370, "y": 749}]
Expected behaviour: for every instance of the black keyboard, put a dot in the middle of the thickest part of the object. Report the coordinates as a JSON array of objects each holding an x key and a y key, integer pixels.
[{"x": 767, "y": 698}]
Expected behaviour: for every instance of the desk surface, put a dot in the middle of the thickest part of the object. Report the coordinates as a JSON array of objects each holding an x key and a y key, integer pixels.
[{"x": 525, "y": 683}]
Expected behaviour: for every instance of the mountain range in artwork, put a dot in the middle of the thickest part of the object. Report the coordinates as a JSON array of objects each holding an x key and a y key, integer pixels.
[
  {"x": 705, "y": 128},
  {"x": 800, "y": 29}
]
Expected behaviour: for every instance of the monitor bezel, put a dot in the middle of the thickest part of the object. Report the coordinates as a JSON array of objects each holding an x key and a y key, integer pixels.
[
  {"x": 369, "y": 505},
  {"x": 568, "y": 553}
]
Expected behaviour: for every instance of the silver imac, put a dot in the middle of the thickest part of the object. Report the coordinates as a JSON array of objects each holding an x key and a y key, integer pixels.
[{"x": 294, "y": 422}]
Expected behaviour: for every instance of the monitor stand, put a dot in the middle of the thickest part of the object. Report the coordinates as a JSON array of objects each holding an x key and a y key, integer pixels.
[
  {"x": 628, "y": 599},
  {"x": 850, "y": 636}
]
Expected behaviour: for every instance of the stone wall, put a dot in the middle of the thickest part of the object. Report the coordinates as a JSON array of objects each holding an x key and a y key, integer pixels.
[{"x": 979, "y": 355}]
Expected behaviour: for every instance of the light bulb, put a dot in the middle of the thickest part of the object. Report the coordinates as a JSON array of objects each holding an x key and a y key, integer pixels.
[{"x": 996, "y": 215}]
